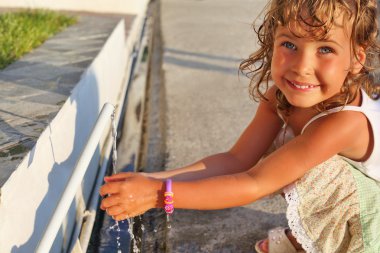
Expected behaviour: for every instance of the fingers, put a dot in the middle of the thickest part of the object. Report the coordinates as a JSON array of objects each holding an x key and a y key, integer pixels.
[
  {"x": 114, "y": 210},
  {"x": 125, "y": 215},
  {"x": 122, "y": 216},
  {"x": 118, "y": 213},
  {"x": 110, "y": 188},
  {"x": 109, "y": 201},
  {"x": 117, "y": 177}
]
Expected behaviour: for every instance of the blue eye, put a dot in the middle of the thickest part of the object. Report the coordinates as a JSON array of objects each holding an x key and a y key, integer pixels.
[
  {"x": 289, "y": 45},
  {"x": 326, "y": 50}
]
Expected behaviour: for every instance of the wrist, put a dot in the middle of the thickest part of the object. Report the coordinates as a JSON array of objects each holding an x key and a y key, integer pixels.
[{"x": 160, "y": 191}]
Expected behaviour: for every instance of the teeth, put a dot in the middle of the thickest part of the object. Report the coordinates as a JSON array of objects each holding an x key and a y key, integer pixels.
[{"x": 303, "y": 86}]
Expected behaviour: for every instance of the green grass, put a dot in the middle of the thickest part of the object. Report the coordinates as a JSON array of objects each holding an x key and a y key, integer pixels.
[{"x": 22, "y": 31}]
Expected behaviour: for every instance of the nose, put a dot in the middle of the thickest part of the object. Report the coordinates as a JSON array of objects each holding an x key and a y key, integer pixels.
[{"x": 303, "y": 63}]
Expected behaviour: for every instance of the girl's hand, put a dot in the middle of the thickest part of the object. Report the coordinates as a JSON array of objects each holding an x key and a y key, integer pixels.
[{"x": 129, "y": 194}]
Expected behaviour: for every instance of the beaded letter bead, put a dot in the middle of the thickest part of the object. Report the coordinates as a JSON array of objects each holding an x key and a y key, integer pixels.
[
  {"x": 169, "y": 208},
  {"x": 168, "y": 197}
]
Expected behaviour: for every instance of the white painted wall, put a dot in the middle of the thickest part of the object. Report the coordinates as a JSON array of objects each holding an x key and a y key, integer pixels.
[
  {"x": 101, "y": 6},
  {"x": 31, "y": 194}
]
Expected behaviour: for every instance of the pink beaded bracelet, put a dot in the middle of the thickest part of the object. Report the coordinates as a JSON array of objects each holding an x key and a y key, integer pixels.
[{"x": 168, "y": 197}]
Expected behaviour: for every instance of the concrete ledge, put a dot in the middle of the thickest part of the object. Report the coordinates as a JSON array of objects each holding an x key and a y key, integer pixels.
[
  {"x": 52, "y": 99},
  {"x": 36, "y": 87}
]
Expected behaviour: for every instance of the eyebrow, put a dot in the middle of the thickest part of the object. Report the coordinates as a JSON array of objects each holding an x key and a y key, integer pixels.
[{"x": 290, "y": 36}]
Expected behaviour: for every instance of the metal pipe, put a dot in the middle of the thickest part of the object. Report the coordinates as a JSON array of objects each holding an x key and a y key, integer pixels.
[
  {"x": 75, "y": 180},
  {"x": 88, "y": 225}
]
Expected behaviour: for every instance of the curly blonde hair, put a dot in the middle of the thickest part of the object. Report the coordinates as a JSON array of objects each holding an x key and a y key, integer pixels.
[{"x": 320, "y": 17}]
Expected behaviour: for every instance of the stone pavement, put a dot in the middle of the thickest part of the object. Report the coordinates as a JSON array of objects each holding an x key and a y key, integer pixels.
[
  {"x": 207, "y": 107},
  {"x": 34, "y": 88}
]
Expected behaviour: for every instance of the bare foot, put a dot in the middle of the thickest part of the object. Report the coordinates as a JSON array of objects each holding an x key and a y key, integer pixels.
[{"x": 264, "y": 244}]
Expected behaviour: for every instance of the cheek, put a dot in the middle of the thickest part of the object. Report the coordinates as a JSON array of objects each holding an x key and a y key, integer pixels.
[
  {"x": 334, "y": 69},
  {"x": 278, "y": 62}
]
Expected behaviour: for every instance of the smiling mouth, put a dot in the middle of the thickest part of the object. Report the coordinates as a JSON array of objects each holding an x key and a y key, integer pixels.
[{"x": 301, "y": 86}]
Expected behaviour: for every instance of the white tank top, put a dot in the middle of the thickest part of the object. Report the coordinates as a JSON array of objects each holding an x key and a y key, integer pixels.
[{"x": 371, "y": 109}]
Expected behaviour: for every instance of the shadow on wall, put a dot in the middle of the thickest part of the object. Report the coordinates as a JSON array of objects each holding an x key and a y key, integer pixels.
[
  {"x": 85, "y": 100},
  {"x": 28, "y": 105}
]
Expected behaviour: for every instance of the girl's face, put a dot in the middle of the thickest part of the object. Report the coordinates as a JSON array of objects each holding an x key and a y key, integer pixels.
[{"x": 311, "y": 71}]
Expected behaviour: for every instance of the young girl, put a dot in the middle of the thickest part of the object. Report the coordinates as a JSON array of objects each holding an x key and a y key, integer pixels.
[{"x": 322, "y": 113}]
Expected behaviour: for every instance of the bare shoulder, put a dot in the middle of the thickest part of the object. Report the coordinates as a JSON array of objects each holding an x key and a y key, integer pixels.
[
  {"x": 343, "y": 121},
  {"x": 346, "y": 131}
]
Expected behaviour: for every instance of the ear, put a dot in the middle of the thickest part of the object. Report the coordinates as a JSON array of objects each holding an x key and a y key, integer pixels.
[{"x": 358, "y": 60}]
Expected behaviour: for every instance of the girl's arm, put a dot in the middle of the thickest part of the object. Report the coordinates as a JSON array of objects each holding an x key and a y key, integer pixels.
[
  {"x": 342, "y": 132},
  {"x": 324, "y": 138},
  {"x": 246, "y": 152}
]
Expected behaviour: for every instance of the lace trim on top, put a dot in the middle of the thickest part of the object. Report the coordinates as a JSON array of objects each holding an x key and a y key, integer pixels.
[{"x": 294, "y": 220}]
